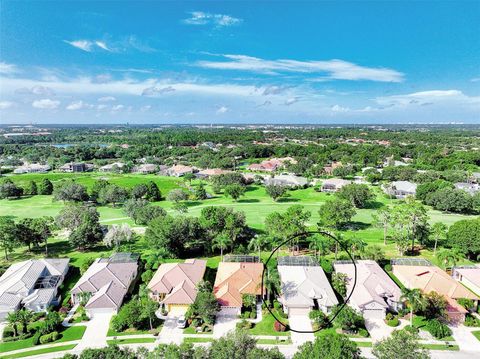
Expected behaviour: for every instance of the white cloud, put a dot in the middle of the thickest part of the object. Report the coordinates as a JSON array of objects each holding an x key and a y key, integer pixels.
[
  {"x": 205, "y": 18},
  {"x": 6, "y": 104},
  {"x": 338, "y": 108},
  {"x": 145, "y": 108},
  {"x": 89, "y": 45},
  {"x": 35, "y": 90},
  {"x": 475, "y": 79},
  {"x": 222, "y": 110},
  {"x": 291, "y": 101},
  {"x": 106, "y": 99},
  {"x": 102, "y": 45},
  {"x": 157, "y": 91},
  {"x": 424, "y": 98},
  {"x": 273, "y": 90},
  {"x": 118, "y": 107},
  {"x": 8, "y": 69},
  {"x": 46, "y": 104},
  {"x": 101, "y": 107},
  {"x": 78, "y": 105},
  {"x": 85, "y": 45},
  {"x": 333, "y": 69}
]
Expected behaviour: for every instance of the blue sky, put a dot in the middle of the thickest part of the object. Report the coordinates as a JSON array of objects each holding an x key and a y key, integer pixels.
[{"x": 231, "y": 62}]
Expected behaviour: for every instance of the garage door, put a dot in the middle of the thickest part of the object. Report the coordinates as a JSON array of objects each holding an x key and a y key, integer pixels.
[
  {"x": 374, "y": 314},
  {"x": 92, "y": 312},
  {"x": 229, "y": 311},
  {"x": 177, "y": 310},
  {"x": 299, "y": 311}
]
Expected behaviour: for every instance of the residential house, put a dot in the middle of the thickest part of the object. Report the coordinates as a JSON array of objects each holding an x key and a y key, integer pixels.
[
  {"x": 105, "y": 283},
  {"x": 72, "y": 167},
  {"x": 32, "y": 168},
  {"x": 287, "y": 180},
  {"x": 112, "y": 167},
  {"x": 174, "y": 285},
  {"x": 470, "y": 188},
  {"x": 145, "y": 168},
  {"x": 304, "y": 287},
  {"x": 271, "y": 165},
  {"x": 334, "y": 184},
  {"x": 179, "y": 170},
  {"x": 469, "y": 276},
  {"x": 235, "y": 279},
  {"x": 375, "y": 292},
  {"x": 33, "y": 283},
  {"x": 400, "y": 189},
  {"x": 328, "y": 169},
  {"x": 211, "y": 172},
  {"x": 428, "y": 278}
]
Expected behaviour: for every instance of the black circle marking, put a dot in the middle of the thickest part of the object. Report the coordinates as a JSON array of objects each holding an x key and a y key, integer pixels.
[{"x": 330, "y": 321}]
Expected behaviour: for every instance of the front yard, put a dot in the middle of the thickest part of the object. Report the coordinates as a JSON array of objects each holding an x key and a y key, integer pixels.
[{"x": 265, "y": 326}]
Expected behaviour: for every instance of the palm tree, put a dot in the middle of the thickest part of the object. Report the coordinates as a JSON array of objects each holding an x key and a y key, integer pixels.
[
  {"x": 450, "y": 256},
  {"x": 357, "y": 244},
  {"x": 257, "y": 243},
  {"x": 439, "y": 231},
  {"x": 320, "y": 245},
  {"x": 271, "y": 282},
  {"x": 414, "y": 299},
  {"x": 24, "y": 317},
  {"x": 221, "y": 241},
  {"x": 13, "y": 319}
]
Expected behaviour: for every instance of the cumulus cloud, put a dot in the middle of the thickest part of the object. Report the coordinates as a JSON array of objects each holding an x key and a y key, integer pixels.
[
  {"x": 118, "y": 107},
  {"x": 35, "y": 90},
  {"x": 205, "y": 18},
  {"x": 101, "y": 107},
  {"x": 46, "y": 103},
  {"x": 332, "y": 69},
  {"x": 78, "y": 105},
  {"x": 8, "y": 69},
  {"x": 6, "y": 104},
  {"x": 222, "y": 110},
  {"x": 157, "y": 91},
  {"x": 106, "y": 99}
]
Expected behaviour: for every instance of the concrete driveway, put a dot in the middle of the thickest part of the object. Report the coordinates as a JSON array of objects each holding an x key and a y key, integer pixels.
[
  {"x": 96, "y": 333},
  {"x": 301, "y": 322},
  {"x": 170, "y": 333},
  {"x": 466, "y": 340},
  {"x": 379, "y": 330},
  {"x": 224, "y": 324}
]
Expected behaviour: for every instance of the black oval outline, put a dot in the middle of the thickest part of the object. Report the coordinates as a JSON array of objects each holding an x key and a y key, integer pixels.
[{"x": 325, "y": 233}]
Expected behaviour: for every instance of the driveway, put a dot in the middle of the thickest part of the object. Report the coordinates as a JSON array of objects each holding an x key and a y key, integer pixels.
[
  {"x": 170, "y": 333},
  {"x": 379, "y": 330},
  {"x": 301, "y": 322},
  {"x": 224, "y": 324},
  {"x": 466, "y": 340},
  {"x": 96, "y": 333}
]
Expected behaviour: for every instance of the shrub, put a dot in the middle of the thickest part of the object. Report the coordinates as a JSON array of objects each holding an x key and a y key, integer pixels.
[
  {"x": 388, "y": 267},
  {"x": 471, "y": 321},
  {"x": 393, "y": 322},
  {"x": 246, "y": 314},
  {"x": 277, "y": 305},
  {"x": 466, "y": 303},
  {"x": 389, "y": 316},
  {"x": 36, "y": 338},
  {"x": 8, "y": 332},
  {"x": 438, "y": 329},
  {"x": 410, "y": 329},
  {"x": 278, "y": 327},
  {"x": 196, "y": 322},
  {"x": 244, "y": 324},
  {"x": 253, "y": 315},
  {"x": 363, "y": 332}
]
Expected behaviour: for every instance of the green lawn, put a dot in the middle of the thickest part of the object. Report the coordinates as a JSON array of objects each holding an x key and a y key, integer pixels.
[
  {"x": 440, "y": 347},
  {"x": 476, "y": 333},
  {"x": 69, "y": 334},
  {"x": 131, "y": 341},
  {"x": 41, "y": 351},
  {"x": 197, "y": 340},
  {"x": 364, "y": 344},
  {"x": 113, "y": 333},
  {"x": 265, "y": 326},
  {"x": 282, "y": 341}
]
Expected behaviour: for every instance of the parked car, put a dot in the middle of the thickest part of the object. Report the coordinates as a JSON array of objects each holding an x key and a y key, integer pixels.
[{"x": 181, "y": 322}]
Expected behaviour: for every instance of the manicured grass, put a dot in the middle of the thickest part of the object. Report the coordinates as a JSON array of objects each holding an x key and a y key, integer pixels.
[
  {"x": 191, "y": 330},
  {"x": 41, "y": 351},
  {"x": 440, "y": 347},
  {"x": 197, "y": 340},
  {"x": 363, "y": 344},
  {"x": 69, "y": 334},
  {"x": 113, "y": 333},
  {"x": 476, "y": 334},
  {"x": 275, "y": 341},
  {"x": 131, "y": 341},
  {"x": 265, "y": 326}
]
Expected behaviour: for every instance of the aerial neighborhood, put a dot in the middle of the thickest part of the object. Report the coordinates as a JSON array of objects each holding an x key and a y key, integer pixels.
[{"x": 106, "y": 245}]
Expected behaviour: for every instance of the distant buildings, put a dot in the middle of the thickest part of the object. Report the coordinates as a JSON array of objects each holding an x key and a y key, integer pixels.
[
  {"x": 179, "y": 170},
  {"x": 104, "y": 285},
  {"x": 287, "y": 180},
  {"x": 175, "y": 284},
  {"x": 211, "y": 172},
  {"x": 145, "y": 168},
  {"x": 76, "y": 167},
  {"x": 331, "y": 167},
  {"x": 428, "y": 278},
  {"x": 271, "y": 165},
  {"x": 334, "y": 184},
  {"x": 33, "y": 283},
  {"x": 470, "y": 188},
  {"x": 401, "y": 189},
  {"x": 32, "y": 168},
  {"x": 112, "y": 167},
  {"x": 375, "y": 292},
  {"x": 304, "y": 287},
  {"x": 235, "y": 279}
]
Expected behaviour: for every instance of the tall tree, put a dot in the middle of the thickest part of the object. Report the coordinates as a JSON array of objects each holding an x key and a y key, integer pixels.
[
  {"x": 8, "y": 235},
  {"x": 329, "y": 346},
  {"x": 415, "y": 301},
  {"x": 400, "y": 345},
  {"x": 234, "y": 190},
  {"x": 438, "y": 233},
  {"x": 336, "y": 214},
  {"x": 46, "y": 187}
]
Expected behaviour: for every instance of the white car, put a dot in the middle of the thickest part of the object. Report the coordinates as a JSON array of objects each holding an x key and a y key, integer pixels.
[{"x": 181, "y": 322}]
